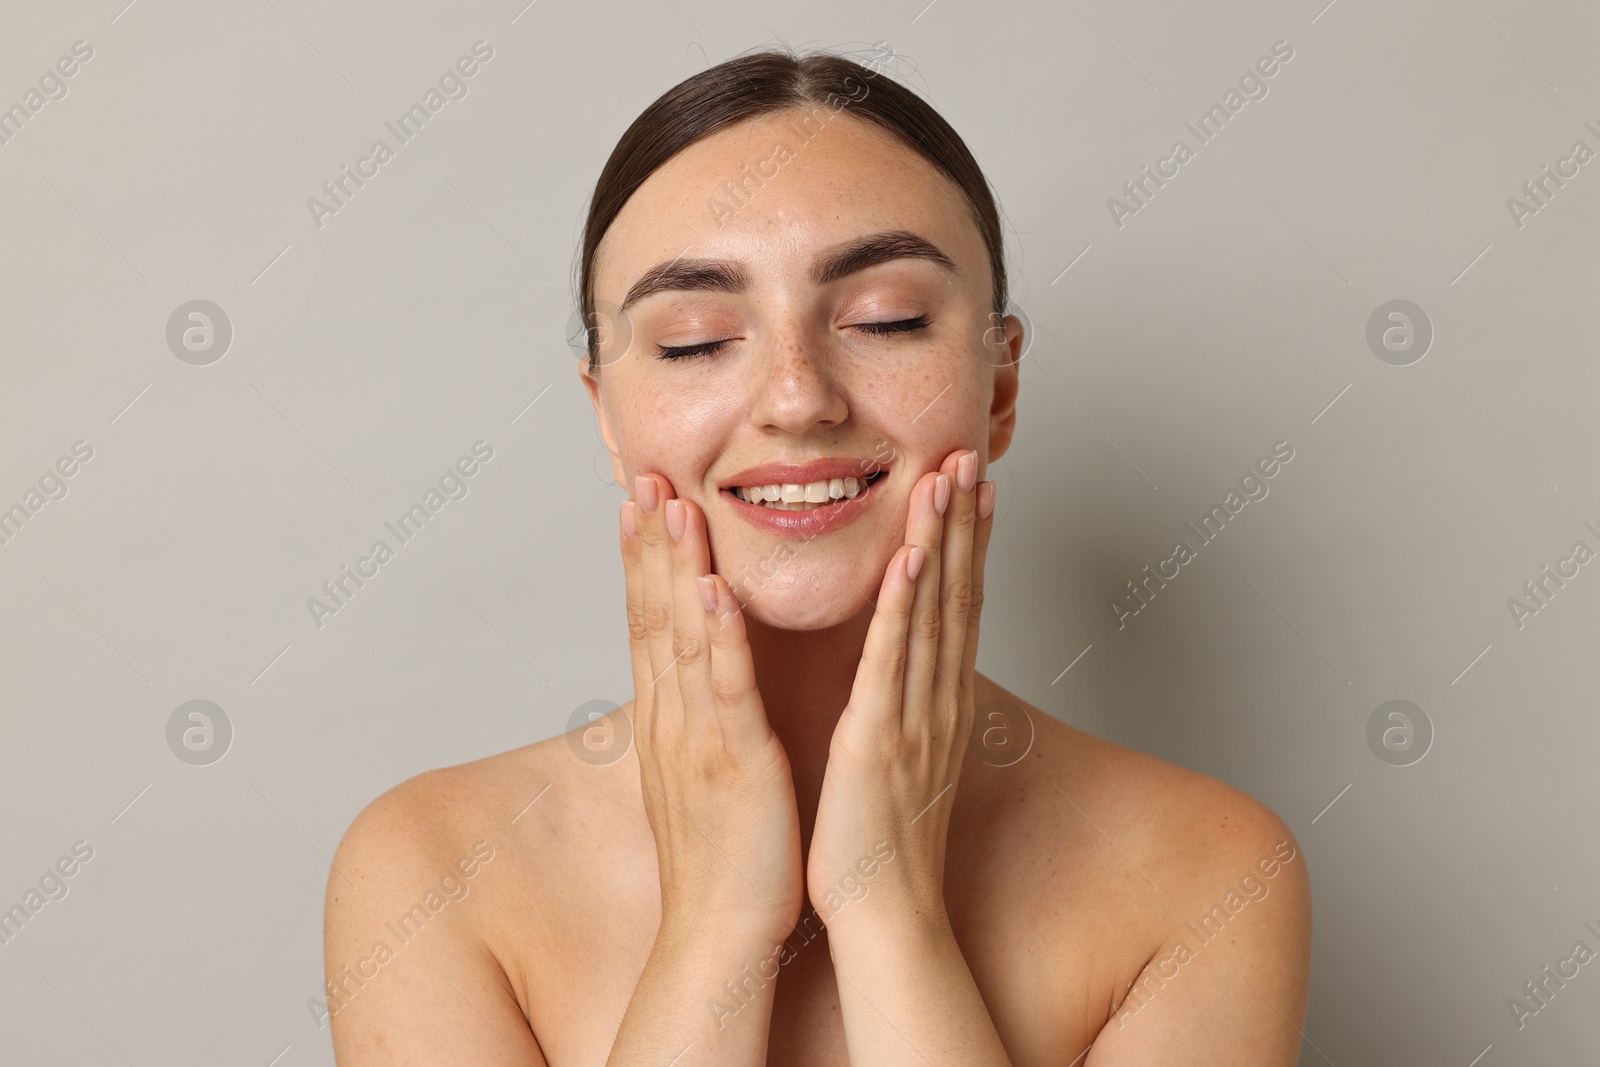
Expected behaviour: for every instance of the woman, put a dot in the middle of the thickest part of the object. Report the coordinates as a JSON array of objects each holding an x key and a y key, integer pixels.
[{"x": 804, "y": 374}]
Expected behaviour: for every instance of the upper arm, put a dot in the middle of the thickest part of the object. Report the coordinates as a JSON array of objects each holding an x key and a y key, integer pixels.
[
  {"x": 1229, "y": 983},
  {"x": 410, "y": 980}
]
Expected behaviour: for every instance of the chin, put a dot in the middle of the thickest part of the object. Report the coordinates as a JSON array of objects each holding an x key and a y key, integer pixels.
[{"x": 803, "y": 605}]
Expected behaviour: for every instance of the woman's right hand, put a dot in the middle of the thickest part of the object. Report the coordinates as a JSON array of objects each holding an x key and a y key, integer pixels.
[{"x": 717, "y": 785}]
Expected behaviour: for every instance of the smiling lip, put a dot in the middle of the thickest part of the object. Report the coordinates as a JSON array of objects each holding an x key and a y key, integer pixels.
[{"x": 814, "y": 521}]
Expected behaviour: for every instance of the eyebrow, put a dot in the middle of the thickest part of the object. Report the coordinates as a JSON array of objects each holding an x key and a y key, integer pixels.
[{"x": 727, "y": 276}]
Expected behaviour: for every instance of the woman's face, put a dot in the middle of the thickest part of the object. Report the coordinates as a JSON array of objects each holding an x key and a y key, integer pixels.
[{"x": 800, "y": 376}]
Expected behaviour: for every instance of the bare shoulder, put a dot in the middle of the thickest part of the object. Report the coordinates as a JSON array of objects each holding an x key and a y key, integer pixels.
[
  {"x": 1209, "y": 884},
  {"x": 500, "y": 795},
  {"x": 428, "y": 818},
  {"x": 1205, "y": 841},
  {"x": 416, "y": 892},
  {"x": 528, "y": 805},
  {"x": 1183, "y": 822}
]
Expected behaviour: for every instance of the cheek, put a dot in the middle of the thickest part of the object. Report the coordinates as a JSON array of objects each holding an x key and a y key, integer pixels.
[
  {"x": 946, "y": 383},
  {"x": 665, "y": 432},
  {"x": 940, "y": 418}
]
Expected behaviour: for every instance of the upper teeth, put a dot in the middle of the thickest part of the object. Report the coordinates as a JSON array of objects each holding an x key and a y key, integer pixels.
[{"x": 819, "y": 492}]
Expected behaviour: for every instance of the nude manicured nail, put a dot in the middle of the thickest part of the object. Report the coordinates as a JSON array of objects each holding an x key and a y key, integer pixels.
[
  {"x": 967, "y": 471},
  {"x": 708, "y": 593},
  {"x": 630, "y": 528},
  {"x": 644, "y": 491},
  {"x": 914, "y": 562},
  {"x": 985, "y": 500},
  {"x": 675, "y": 519},
  {"x": 941, "y": 493}
]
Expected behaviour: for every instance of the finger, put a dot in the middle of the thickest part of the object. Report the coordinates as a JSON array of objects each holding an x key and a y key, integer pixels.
[
  {"x": 741, "y": 714},
  {"x": 690, "y": 668},
  {"x": 955, "y": 571},
  {"x": 638, "y": 642},
  {"x": 650, "y": 492},
  {"x": 925, "y": 528},
  {"x": 879, "y": 687},
  {"x": 980, "y": 555}
]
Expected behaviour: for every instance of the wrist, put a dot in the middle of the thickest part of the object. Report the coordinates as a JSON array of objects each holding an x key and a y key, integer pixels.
[
  {"x": 723, "y": 934},
  {"x": 889, "y": 924},
  {"x": 713, "y": 959}
]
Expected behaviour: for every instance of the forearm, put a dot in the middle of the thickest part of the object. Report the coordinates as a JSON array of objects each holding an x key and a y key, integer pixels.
[
  {"x": 701, "y": 1000},
  {"x": 908, "y": 997}
]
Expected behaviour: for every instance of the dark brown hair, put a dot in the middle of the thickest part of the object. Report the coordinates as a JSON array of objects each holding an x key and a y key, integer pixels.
[{"x": 760, "y": 83}]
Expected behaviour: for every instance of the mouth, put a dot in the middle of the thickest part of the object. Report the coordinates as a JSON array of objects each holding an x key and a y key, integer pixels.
[
  {"x": 793, "y": 496},
  {"x": 805, "y": 509}
]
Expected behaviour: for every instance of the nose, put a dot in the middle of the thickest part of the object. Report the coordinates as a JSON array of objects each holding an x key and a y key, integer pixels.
[{"x": 798, "y": 390}]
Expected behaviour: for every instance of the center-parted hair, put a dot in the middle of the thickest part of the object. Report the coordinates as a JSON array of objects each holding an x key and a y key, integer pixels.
[{"x": 763, "y": 83}]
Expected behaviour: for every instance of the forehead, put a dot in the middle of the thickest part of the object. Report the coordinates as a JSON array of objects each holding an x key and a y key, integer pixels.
[{"x": 763, "y": 193}]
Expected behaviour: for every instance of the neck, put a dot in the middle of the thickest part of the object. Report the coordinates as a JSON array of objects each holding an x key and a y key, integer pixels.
[{"x": 805, "y": 678}]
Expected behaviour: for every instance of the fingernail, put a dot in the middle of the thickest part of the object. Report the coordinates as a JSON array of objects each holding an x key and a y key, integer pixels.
[
  {"x": 675, "y": 516},
  {"x": 644, "y": 491},
  {"x": 708, "y": 593},
  {"x": 967, "y": 471},
  {"x": 941, "y": 493},
  {"x": 914, "y": 562},
  {"x": 727, "y": 605},
  {"x": 985, "y": 500},
  {"x": 630, "y": 528}
]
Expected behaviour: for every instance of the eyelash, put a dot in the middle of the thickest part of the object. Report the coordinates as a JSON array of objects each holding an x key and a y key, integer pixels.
[{"x": 670, "y": 352}]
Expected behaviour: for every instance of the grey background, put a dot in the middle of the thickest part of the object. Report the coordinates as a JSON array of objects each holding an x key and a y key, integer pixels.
[{"x": 429, "y": 313}]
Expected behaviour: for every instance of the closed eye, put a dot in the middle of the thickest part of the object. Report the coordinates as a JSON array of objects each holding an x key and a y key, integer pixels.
[
  {"x": 901, "y": 326},
  {"x": 707, "y": 348}
]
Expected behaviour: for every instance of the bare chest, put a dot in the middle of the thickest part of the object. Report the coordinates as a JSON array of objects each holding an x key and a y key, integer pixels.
[{"x": 1048, "y": 967}]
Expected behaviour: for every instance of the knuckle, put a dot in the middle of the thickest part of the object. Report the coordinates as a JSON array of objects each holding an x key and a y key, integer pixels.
[
  {"x": 894, "y": 660},
  {"x": 726, "y": 689},
  {"x": 925, "y": 622},
  {"x": 960, "y": 598},
  {"x": 689, "y": 651},
  {"x": 651, "y": 534},
  {"x": 656, "y": 619},
  {"x": 721, "y": 768},
  {"x": 637, "y": 632}
]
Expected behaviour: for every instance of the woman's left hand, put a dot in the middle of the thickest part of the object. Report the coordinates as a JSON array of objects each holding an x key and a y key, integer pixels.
[{"x": 884, "y": 812}]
